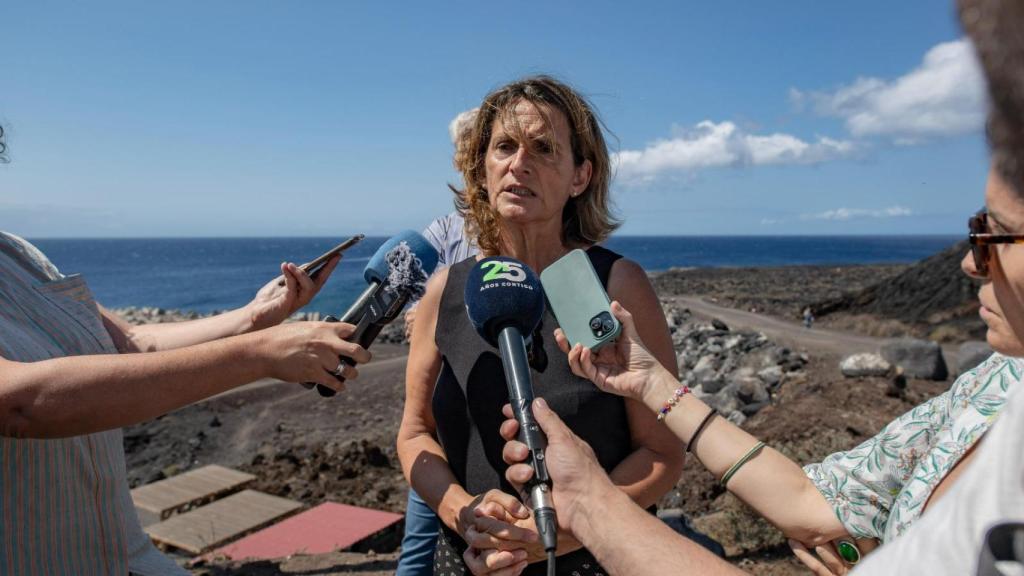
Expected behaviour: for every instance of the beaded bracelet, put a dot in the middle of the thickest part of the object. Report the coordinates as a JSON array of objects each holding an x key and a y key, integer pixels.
[
  {"x": 671, "y": 403},
  {"x": 739, "y": 463}
]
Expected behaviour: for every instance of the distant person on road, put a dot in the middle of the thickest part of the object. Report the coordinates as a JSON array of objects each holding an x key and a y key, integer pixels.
[{"x": 808, "y": 317}]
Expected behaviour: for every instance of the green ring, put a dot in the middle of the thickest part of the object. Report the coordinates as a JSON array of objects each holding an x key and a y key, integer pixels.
[{"x": 848, "y": 551}]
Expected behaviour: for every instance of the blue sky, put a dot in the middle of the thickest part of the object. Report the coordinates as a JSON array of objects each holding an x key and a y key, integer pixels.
[{"x": 322, "y": 118}]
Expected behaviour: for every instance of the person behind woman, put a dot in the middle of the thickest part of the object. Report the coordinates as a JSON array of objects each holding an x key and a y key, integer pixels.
[
  {"x": 447, "y": 235},
  {"x": 536, "y": 187}
]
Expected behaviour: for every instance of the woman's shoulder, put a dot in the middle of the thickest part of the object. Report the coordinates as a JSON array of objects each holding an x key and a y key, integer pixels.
[{"x": 627, "y": 278}]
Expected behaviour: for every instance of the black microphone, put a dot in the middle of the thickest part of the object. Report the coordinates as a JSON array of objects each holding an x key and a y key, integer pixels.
[
  {"x": 396, "y": 273},
  {"x": 504, "y": 301}
]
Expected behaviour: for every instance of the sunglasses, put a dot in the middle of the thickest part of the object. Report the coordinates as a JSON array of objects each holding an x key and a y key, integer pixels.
[{"x": 981, "y": 240}]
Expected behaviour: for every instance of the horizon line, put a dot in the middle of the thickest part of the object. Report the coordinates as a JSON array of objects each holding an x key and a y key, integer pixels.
[{"x": 318, "y": 237}]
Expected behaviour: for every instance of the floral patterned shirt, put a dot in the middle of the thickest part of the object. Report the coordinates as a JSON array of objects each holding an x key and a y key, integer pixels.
[{"x": 879, "y": 488}]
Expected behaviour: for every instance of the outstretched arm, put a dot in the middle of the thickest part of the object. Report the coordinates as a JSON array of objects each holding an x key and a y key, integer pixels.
[
  {"x": 271, "y": 305},
  {"x": 773, "y": 485},
  {"x": 77, "y": 395}
]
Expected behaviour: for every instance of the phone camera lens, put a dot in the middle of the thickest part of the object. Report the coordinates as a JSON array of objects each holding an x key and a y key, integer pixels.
[
  {"x": 608, "y": 325},
  {"x": 595, "y": 323}
]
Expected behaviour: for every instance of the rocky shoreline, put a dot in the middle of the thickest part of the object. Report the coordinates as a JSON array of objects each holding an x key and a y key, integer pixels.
[{"x": 137, "y": 315}]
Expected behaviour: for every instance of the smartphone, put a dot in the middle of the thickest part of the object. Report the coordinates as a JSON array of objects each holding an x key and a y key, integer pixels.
[
  {"x": 579, "y": 302},
  {"x": 314, "y": 266}
]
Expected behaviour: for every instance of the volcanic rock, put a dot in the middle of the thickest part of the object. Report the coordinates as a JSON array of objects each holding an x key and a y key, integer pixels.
[
  {"x": 864, "y": 365},
  {"x": 971, "y": 354},
  {"x": 918, "y": 358}
]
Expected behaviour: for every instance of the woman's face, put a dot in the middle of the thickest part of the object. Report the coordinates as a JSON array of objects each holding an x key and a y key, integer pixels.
[
  {"x": 530, "y": 172},
  {"x": 1002, "y": 291}
]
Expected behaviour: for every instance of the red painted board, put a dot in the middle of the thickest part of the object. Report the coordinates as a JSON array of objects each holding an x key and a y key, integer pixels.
[{"x": 323, "y": 529}]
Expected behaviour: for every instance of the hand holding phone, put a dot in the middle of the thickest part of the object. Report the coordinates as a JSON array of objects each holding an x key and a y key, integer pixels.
[
  {"x": 314, "y": 266},
  {"x": 579, "y": 301}
]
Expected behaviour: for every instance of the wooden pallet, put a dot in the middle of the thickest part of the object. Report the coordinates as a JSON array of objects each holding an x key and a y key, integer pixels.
[
  {"x": 226, "y": 519},
  {"x": 159, "y": 500}
]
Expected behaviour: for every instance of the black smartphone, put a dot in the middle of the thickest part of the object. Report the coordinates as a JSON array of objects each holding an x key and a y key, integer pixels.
[{"x": 314, "y": 266}]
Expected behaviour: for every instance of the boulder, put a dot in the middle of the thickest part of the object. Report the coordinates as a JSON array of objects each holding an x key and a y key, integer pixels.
[
  {"x": 751, "y": 391},
  {"x": 723, "y": 401},
  {"x": 971, "y": 354},
  {"x": 712, "y": 385},
  {"x": 704, "y": 368},
  {"x": 732, "y": 342},
  {"x": 681, "y": 362},
  {"x": 771, "y": 376},
  {"x": 753, "y": 408},
  {"x": 862, "y": 365},
  {"x": 918, "y": 358},
  {"x": 736, "y": 417},
  {"x": 780, "y": 355},
  {"x": 719, "y": 325},
  {"x": 793, "y": 365}
]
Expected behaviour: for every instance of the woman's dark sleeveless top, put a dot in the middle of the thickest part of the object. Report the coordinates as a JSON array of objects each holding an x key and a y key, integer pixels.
[{"x": 471, "y": 390}]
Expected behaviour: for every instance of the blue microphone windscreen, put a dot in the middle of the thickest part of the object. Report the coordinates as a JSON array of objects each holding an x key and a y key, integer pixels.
[
  {"x": 502, "y": 291},
  {"x": 378, "y": 268}
]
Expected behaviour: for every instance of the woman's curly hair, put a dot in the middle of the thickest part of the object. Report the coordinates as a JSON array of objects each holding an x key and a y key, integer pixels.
[{"x": 587, "y": 218}]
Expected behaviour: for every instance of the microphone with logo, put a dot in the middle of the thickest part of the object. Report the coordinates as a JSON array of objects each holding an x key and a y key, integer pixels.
[
  {"x": 504, "y": 301},
  {"x": 396, "y": 273}
]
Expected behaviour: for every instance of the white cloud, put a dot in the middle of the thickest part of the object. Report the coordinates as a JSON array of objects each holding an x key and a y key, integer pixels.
[
  {"x": 943, "y": 96},
  {"x": 843, "y": 214},
  {"x": 715, "y": 145}
]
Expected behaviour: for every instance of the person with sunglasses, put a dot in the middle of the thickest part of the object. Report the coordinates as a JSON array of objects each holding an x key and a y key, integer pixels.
[{"x": 933, "y": 481}]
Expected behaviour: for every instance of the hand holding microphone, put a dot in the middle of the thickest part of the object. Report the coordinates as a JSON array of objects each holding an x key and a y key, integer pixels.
[
  {"x": 505, "y": 304},
  {"x": 309, "y": 351},
  {"x": 396, "y": 273}
]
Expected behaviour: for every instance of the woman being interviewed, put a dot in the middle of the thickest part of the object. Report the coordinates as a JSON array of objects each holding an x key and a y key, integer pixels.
[{"x": 536, "y": 187}]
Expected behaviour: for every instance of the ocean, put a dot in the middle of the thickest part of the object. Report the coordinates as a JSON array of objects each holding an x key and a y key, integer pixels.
[{"x": 206, "y": 274}]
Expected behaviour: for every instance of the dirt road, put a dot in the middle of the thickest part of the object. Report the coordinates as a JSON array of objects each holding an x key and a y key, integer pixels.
[{"x": 792, "y": 333}]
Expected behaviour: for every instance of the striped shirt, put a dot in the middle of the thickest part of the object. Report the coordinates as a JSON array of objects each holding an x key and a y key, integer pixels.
[
  {"x": 447, "y": 235},
  {"x": 65, "y": 507}
]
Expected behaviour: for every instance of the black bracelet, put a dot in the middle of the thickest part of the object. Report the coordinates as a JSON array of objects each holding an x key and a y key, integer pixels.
[{"x": 703, "y": 424}]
